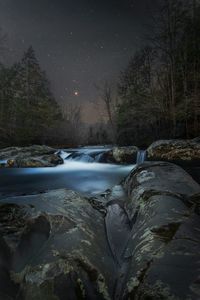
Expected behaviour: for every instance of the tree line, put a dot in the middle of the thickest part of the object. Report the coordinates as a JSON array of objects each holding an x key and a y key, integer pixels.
[
  {"x": 159, "y": 91},
  {"x": 29, "y": 112}
]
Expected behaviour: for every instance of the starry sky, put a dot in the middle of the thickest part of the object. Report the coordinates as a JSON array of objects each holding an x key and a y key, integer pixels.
[{"x": 79, "y": 43}]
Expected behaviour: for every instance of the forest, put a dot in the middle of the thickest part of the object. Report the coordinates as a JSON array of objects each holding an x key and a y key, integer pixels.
[
  {"x": 29, "y": 112},
  {"x": 157, "y": 95},
  {"x": 159, "y": 91}
]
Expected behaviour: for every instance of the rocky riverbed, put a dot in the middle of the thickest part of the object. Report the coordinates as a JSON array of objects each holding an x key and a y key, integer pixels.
[
  {"x": 140, "y": 240},
  {"x": 183, "y": 152}
]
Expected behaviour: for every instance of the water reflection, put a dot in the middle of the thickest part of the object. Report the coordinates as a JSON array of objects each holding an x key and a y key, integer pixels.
[{"x": 88, "y": 178}]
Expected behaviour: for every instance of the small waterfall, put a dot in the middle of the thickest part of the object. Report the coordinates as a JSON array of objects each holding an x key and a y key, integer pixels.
[
  {"x": 83, "y": 157},
  {"x": 100, "y": 157},
  {"x": 63, "y": 154},
  {"x": 141, "y": 156},
  {"x": 88, "y": 155}
]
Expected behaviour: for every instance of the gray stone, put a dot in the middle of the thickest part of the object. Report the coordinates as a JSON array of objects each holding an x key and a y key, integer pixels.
[
  {"x": 57, "y": 247},
  {"x": 175, "y": 150},
  {"x": 123, "y": 155},
  {"x": 33, "y": 156},
  {"x": 161, "y": 260}
]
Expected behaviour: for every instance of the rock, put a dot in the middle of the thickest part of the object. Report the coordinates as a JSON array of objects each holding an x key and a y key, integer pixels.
[
  {"x": 10, "y": 163},
  {"x": 6, "y": 153},
  {"x": 57, "y": 247},
  {"x": 35, "y": 150},
  {"x": 123, "y": 155},
  {"x": 175, "y": 150},
  {"x": 33, "y": 156},
  {"x": 3, "y": 163},
  {"x": 161, "y": 260},
  {"x": 143, "y": 244},
  {"x": 196, "y": 140},
  {"x": 33, "y": 162}
]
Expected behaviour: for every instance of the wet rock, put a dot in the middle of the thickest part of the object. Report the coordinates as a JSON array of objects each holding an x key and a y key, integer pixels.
[
  {"x": 58, "y": 247},
  {"x": 3, "y": 164},
  {"x": 33, "y": 156},
  {"x": 51, "y": 160},
  {"x": 139, "y": 240},
  {"x": 123, "y": 155},
  {"x": 117, "y": 229},
  {"x": 175, "y": 150},
  {"x": 35, "y": 150},
  {"x": 161, "y": 259}
]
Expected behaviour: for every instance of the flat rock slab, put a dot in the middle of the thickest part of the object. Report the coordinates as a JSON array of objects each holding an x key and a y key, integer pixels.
[{"x": 57, "y": 247}]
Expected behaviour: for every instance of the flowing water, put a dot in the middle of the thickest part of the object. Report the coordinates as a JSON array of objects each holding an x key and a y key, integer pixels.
[
  {"x": 81, "y": 171},
  {"x": 141, "y": 156}
]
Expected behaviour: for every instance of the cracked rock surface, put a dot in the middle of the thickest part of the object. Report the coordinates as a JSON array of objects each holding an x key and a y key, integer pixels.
[
  {"x": 57, "y": 247},
  {"x": 141, "y": 240},
  {"x": 161, "y": 260}
]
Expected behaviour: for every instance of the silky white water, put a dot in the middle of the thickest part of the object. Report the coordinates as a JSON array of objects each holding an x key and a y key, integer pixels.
[{"x": 75, "y": 174}]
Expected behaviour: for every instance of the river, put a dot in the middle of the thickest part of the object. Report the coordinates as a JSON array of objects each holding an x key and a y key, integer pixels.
[{"x": 81, "y": 172}]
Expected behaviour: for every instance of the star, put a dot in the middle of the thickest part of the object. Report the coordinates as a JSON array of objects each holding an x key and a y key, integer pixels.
[{"x": 76, "y": 93}]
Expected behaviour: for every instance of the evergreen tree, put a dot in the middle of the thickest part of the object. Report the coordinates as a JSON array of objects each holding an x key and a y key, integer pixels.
[{"x": 34, "y": 105}]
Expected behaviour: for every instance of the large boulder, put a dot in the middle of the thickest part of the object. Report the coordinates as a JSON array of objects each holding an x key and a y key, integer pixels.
[
  {"x": 123, "y": 155},
  {"x": 161, "y": 259},
  {"x": 35, "y": 150},
  {"x": 175, "y": 150},
  {"x": 32, "y": 156},
  {"x": 139, "y": 241},
  {"x": 20, "y": 161},
  {"x": 54, "y": 247}
]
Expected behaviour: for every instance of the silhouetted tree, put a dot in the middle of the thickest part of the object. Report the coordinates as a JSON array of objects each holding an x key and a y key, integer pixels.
[
  {"x": 28, "y": 108},
  {"x": 160, "y": 89}
]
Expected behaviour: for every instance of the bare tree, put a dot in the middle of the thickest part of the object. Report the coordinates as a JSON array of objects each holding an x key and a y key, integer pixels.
[
  {"x": 72, "y": 119},
  {"x": 3, "y": 39},
  {"x": 169, "y": 24},
  {"x": 106, "y": 93},
  {"x": 2, "y": 112}
]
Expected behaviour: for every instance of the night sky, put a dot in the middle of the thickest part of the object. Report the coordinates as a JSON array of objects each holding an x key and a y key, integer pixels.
[{"x": 79, "y": 43}]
